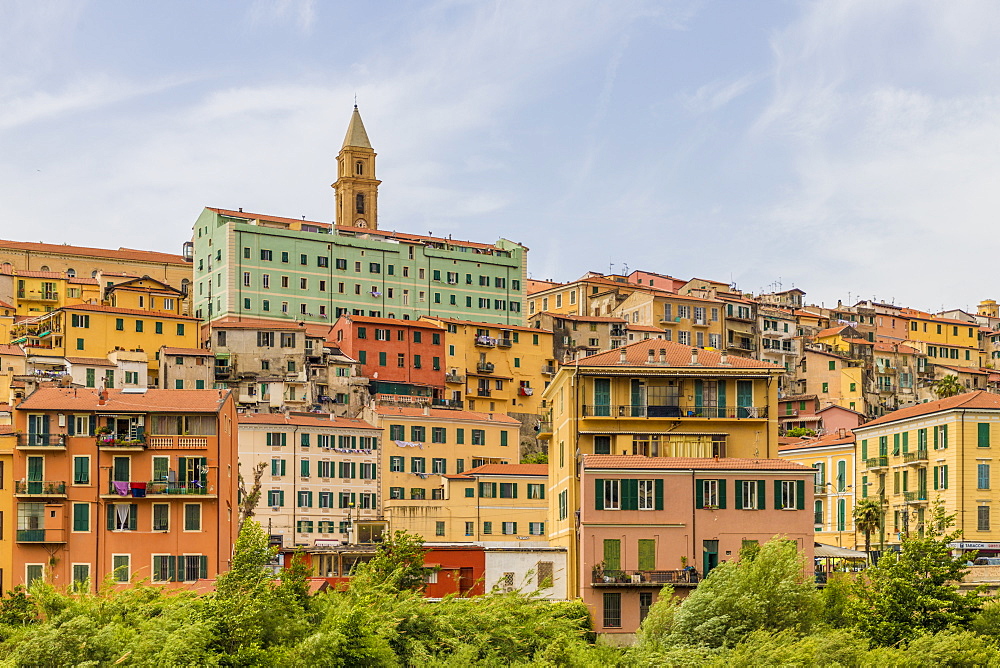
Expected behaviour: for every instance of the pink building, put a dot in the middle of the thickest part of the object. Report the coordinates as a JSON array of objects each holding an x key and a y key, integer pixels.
[{"x": 650, "y": 521}]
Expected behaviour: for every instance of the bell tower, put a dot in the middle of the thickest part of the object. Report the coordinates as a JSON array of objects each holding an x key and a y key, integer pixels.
[{"x": 356, "y": 188}]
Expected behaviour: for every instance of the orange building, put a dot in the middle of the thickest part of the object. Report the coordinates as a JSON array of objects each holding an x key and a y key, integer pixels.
[{"x": 130, "y": 483}]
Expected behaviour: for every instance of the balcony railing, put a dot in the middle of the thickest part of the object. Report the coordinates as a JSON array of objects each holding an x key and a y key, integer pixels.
[
  {"x": 877, "y": 462},
  {"x": 138, "y": 490},
  {"x": 619, "y": 578},
  {"x": 549, "y": 369},
  {"x": 41, "y": 536},
  {"x": 485, "y": 367},
  {"x": 915, "y": 497},
  {"x": 920, "y": 456},
  {"x": 483, "y": 392},
  {"x": 223, "y": 371},
  {"x": 643, "y": 411},
  {"x": 454, "y": 378},
  {"x": 121, "y": 441},
  {"x": 448, "y": 403},
  {"x": 486, "y": 341},
  {"x": 820, "y": 489},
  {"x": 180, "y": 442},
  {"x": 504, "y": 343},
  {"x": 41, "y": 440},
  {"x": 40, "y": 487}
]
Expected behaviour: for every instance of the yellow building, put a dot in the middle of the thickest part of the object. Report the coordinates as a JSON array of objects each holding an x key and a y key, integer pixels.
[
  {"x": 593, "y": 294},
  {"x": 832, "y": 455},
  {"x": 494, "y": 503},
  {"x": 94, "y": 331},
  {"x": 145, "y": 294},
  {"x": 657, "y": 399},
  {"x": 834, "y": 378},
  {"x": 937, "y": 450},
  {"x": 494, "y": 368},
  {"x": 35, "y": 292},
  {"x": 945, "y": 341},
  {"x": 8, "y": 439},
  {"x": 423, "y": 444},
  {"x": 686, "y": 319}
]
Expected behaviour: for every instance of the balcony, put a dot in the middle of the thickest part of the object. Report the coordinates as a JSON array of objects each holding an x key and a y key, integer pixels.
[
  {"x": 177, "y": 442},
  {"x": 693, "y": 411},
  {"x": 700, "y": 322},
  {"x": 48, "y": 488},
  {"x": 919, "y": 497},
  {"x": 549, "y": 370},
  {"x": 223, "y": 371},
  {"x": 41, "y": 535},
  {"x": 504, "y": 343},
  {"x": 544, "y": 430},
  {"x": 525, "y": 391},
  {"x": 485, "y": 367},
  {"x": 485, "y": 341},
  {"x": 918, "y": 458},
  {"x": 448, "y": 403},
  {"x": 454, "y": 378},
  {"x": 483, "y": 392},
  {"x": 121, "y": 442},
  {"x": 41, "y": 441},
  {"x": 159, "y": 489},
  {"x": 619, "y": 578},
  {"x": 877, "y": 462},
  {"x": 819, "y": 489}
]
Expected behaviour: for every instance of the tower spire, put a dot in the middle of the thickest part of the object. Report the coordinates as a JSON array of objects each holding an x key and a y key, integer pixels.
[
  {"x": 356, "y": 136},
  {"x": 356, "y": 188}
]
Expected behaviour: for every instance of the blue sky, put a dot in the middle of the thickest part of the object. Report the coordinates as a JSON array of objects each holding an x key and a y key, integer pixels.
[{"x": 847, "y": 148}]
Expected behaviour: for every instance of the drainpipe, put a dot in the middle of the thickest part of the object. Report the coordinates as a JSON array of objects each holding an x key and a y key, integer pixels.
[
  {"x": 961, "y": 468},
  {"x": 694, "y": 496}
]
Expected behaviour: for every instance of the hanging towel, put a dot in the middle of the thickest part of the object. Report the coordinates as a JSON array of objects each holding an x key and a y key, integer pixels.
[
  {"x": 138, "y": 485},
  {"x": 121, "y": 512},
  {"x": 139, "y": 493},
  {"x": 121, "y": 488}
]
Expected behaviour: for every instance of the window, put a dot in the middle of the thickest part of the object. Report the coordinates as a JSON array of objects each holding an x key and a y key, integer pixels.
[
  {"x": 983, "y": 518},
  {"x": 983, "y": 435},
  {"x": 563, "y": 499},
  {"x": 983, "y": 476},
  {"x": 81, "y": 517},
  {"x": 161, "y": 516},
  {"x": 120, "y": 567},
  {"x": 439, "y": 466},
  {"x": 789, "y": 494},
  {"x": 750, "y": 495},
  {"x": 487, "y": 490},
  {"x": 509, "y": 528},
  {"x": 81, "y": 470},
  {"x": 418, "y": 465},
  {"x": 508, "y": 490},
  {"x": 192, "y": 517},
  {"x": 418, "y": 493},
  {"x": 536, "y": 528},
  {"x": 397, "y": 432},
  {"x": 396, "y": 464},
  {"x": 612, "y": 610},
  {"x": 710, "y": 494},
  {"x": 478, "y": 437},
  {"x": 611, "y": 494},
  {"x": 418, "y": 433},
  {"x": 536, "y": 491},
  {"x": 487, "y": 527},
  {"x": 646, "y": 495}
]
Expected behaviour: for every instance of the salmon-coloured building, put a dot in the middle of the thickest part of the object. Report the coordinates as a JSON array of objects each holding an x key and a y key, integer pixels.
[
  {"x": 650, "y": 521},
  {"x": 403, "y": 358},
  {"x": 133, "y": 483}
]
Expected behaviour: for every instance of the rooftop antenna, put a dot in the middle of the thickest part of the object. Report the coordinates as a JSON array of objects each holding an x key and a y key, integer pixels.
[{"x": 355, "y": 100}]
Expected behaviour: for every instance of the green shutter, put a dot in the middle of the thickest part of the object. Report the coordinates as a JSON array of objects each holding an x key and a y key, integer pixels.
[
  {"x": 658, "y": 493},
  {"x": 133, "y": 514},
  {"x": 612, "y": 554},
  {"x": 503, "y": 438},
  {"x": 944, "y": 477},
  {"x": 598, "y": 494},
  {"x": 630, "y": 494},
  {"x": 935, "y": 430},
  {"x": 984, "y": 435},
  {"x": 936, "y": 477},
  {"x": 761, "y": 491},
  {"x": 722, "y": 494},
  {"x": 699, "y": 395},
  {"x": 81, "y": 517},
  {"x": 739, "y": 494},
  {"x": 777, "y": 494},
  {"x": 111, "y": 511},
  {"x": 944, "y": 437},
  {"x": 722, "y": 398},
  {"x": 699, "y": 493},
  {"x": 203, "y": 567},
  {"x": 800, "y": 494},
  {"x": 864, "y": 449},
  {"x": 906, "y": 442},
  {"x": 647, "y": 554}
]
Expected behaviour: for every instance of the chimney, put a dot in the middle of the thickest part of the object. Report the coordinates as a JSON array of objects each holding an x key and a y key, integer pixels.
[
  {"x": 694, "y": 357},
  {"x": 652, "y": 356},
  {"x": 663, "y": 355},
  {"x": 724, "y": 359},
  {"x": 427, "y": 410},
  {"x": 624, "y": 354},
  {"x": 490, "y": 415},
  {"x": 102, "y": 398}
]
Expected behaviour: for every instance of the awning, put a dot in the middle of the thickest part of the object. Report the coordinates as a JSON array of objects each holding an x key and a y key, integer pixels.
[{"x": 834, "y": 551}]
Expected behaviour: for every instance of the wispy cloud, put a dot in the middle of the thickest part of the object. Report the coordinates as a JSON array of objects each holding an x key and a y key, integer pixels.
[{"x": 265, "y": 13}]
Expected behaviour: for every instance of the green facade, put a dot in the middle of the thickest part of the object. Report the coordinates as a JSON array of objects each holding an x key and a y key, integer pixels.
[{"x": 251, "y": 270}]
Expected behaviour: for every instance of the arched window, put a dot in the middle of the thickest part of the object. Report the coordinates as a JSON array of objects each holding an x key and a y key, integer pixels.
[
  {"x": 93, "y": 274},
  {"x": 71, "y": 272},
  {"x": 185, "y": 285},
  {"x": 818, "y": 512},
  {"x": 359, "y": 168},
  {"x": 360, "y": 202},
  {"x": 45, "y": 267}
]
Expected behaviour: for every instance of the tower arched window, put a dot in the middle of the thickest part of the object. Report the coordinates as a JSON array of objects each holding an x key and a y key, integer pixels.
[
  {"x": 359, "y": 168},
  {"x": 360, "y": 202},
  {"x": 71, "y": 272}
]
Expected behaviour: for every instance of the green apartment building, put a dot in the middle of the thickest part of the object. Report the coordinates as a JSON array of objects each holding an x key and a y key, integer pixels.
[{"x": 262, "y": 266}]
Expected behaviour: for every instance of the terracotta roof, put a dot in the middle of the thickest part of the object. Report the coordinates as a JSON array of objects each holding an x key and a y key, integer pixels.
[
  {"x": 637, "y": 354},
  {"x": 11, "y": 349},
  {"x": 485, "y": 325},
  {"x": 200, "y": 352},
  {"x": 582, "y": 318},
  {"x": 645, "y": 328},
  {"x": 688, "y": 463},
  {"x": 6, "y": 429},
  {"x": 90, "y": 361},
  {"x": 887, "y": 347},
  {"x": 443, "y": 413},
  {"x": 230, "y": 322},
  {"x": 120, "y": 254},
  {"x": 823, "y": 441},
  {"x": 4, "y": 304},
  {"x": 100, "y": 308},
  {"x": 304, "y": 421},
  {"x": 830, "y": 331},
  {"x": 978, "y": 400},
  {"x": 156, "y": 401},
  {"x": 859, "y": 342},
  {"x": 964, "y": 369},
  {"x": 317, "y": 330},
  {"x": 392, "y": 322},
  {"x": 797, "y": 397},
  {"x": 509, "y": 469},
  {"x": 840, "y": 408}
]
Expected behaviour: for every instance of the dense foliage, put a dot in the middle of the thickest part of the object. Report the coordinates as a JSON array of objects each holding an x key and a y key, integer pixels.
[{"x": 761, "y": 610}]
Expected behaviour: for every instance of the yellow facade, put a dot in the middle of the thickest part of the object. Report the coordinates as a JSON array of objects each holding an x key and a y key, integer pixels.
[
  {"x": 7, "y": 442},
  {"x": 687, "y": 320},
  {"x": 423, "y": 444},
  {"x": 493, "y": 503},
  {"x": 95, "y": 331},
  {"x": 146, "y": 294},
  {"x": 32, "y": 293},
  {"x": 590, "y": 295},
  {"x": 946, "y": 341},
  {"x": 657, "y": 399},
  {"x": 832, "y": 456},
  {"x": 941, "y": 450},
  {"x": 496, "y": 369},
  {"x": 834, "y": 379}
]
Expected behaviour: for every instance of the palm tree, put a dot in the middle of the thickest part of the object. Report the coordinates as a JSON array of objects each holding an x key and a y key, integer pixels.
[
  {"x": 947, "y": 387},
  {"x": 868, "y": 518}
]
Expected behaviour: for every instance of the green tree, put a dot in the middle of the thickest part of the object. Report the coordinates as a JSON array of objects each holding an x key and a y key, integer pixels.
[
  {"x": 798, "y": 432},
  {"x": 535, "y": 458},
  {"x": 915, "y": 592},
  {"x": 947, "y": 387},
  {"x": 774, "y": 590},
  {"x": 868, "y": 518},
  {"x": 399, "y": 561}
]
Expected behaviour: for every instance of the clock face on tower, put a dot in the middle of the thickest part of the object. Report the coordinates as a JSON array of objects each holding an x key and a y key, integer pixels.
[{"x": 360, "y": 222}]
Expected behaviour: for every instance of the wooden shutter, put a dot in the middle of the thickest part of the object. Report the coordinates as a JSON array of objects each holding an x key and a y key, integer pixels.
[
  {"x": 699, "y": 492},
  {"x": 761, "y": 491},
  {"x": 936, "y": 477},
  {"x": 777, "y": 495},
  {"x": 111, "y": 511},
  {"x": 739, "y": 493},
  {"x": 699, "y": 395},
  {"x": 984, "y": 435},
  {"x": 133, "y": 512},
  {"x": 658, "y": 493},
  {"x": 203, "y": 567},
  {"x": 935, "y": 430},
  {"x": 171, "y": 568},
  {"x": 800, "y": 494},
  {"x": 906, "y": 442},
  {"x": 598, "y": 494},
  {"x": 647, "y": 554},
  {"x": 944, "y": 477},
  {"x": 71, "y": 425},
  {"x": 612, "y": 554},
  {"x": 944, "y": 437},
  {"x": 721, "y": 398},
  {"x": 630, "y": 494},
  {"x": 722, "y": 493},
  {"x": 864, "y": 449}
]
